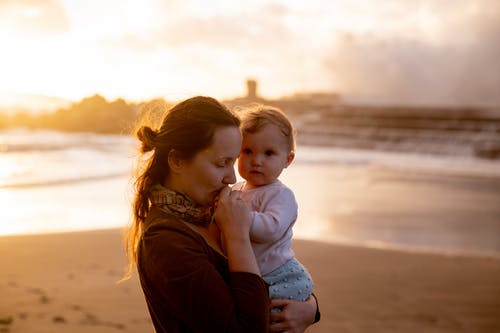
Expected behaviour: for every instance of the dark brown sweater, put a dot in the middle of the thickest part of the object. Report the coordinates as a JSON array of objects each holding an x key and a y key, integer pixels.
[{"x": 188, "y": 285}]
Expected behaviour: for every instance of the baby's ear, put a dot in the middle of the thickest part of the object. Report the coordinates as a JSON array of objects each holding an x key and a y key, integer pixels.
[{"x": 290, "y": 158}]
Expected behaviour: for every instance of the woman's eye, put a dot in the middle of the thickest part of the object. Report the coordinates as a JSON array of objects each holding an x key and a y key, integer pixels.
[{"x": 226, "y": 163}]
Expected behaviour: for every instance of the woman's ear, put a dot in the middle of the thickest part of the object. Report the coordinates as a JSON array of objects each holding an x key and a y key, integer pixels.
[
  {"x": 175, "y": 163},
  {"x": 290, "y": 158}
]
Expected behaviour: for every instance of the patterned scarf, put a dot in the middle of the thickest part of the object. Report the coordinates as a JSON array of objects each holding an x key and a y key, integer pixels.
[{"x": 180, "y": 206}]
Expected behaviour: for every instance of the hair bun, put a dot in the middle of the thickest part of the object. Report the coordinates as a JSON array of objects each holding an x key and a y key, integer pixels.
[{"x": 148, "y": 138}]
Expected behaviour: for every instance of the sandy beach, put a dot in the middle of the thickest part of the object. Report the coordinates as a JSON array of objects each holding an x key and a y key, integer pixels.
[{"x": 66, "y": 282}]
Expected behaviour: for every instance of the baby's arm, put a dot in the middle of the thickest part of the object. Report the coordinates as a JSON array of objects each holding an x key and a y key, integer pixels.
[{"x": 277, "y": 213}]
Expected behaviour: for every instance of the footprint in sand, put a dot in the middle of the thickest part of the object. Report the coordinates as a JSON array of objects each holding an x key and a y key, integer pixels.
[
  {"x": 39, "y": 292},
  {"x": 22, "y": 315},
  {"x": 12, "y": 284},
  {"x": 94, "y": 266},
  {"x": 5, "y": 323},
  {"x": 59, "y": 320},
  {"x": 91, "y": 319},
  {"x": 76, "y": 307},
  {"x": 44, "y": 299}
]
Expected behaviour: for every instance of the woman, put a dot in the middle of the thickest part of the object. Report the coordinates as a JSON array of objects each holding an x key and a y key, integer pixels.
[{"x": 183, "y": 212}]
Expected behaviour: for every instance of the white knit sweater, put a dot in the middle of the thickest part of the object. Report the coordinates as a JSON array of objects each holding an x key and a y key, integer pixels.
[{"x": 274, "y": 212}]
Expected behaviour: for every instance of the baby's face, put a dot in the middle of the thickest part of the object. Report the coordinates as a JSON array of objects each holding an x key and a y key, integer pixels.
[{"x": 264, "y": 154}]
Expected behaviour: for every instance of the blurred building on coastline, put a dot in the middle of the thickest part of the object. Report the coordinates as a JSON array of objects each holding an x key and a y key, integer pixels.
[
  {"x": 251, "y": 97},
  {"x": 323, "y": 118},
  {"x": 298, "y": 102}
]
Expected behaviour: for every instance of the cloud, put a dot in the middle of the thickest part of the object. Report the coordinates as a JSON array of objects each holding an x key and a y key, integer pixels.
[
  {"x": 429, "y": 51},
  {"x": 460, "y": 67},
  {"x": 34, "y": 16},
  {"x": 261, "y": 28},
  {"x": 225, "y": 47}
]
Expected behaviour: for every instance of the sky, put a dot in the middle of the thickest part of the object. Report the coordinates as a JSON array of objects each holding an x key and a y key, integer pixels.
[{"x": 423, "y": 52}]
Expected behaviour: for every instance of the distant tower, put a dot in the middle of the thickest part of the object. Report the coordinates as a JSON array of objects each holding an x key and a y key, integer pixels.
[{"x": 251, "y": 89}]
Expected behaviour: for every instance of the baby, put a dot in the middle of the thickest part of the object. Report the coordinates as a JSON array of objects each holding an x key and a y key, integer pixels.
[{"x": 268, "y": 147}]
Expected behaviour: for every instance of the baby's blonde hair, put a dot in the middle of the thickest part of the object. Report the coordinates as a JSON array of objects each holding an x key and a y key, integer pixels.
[{"x": 256, "y": 116}]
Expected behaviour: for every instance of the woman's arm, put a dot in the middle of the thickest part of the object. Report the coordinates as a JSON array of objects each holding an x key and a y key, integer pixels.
[
  {"x": 295, "y": 316},
  {"x": 182, "y": 283}
]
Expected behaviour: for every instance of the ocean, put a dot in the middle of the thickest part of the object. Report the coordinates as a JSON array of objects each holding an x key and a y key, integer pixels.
[{"x": 58, "y": 182}]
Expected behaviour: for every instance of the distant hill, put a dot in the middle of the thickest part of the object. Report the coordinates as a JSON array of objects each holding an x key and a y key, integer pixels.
[
  {"x": 320, "y": 119},
  {"x": 31, "y": 103}
]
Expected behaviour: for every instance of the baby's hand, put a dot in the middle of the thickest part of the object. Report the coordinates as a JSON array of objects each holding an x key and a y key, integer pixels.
[{"x": 232, "y": 214}]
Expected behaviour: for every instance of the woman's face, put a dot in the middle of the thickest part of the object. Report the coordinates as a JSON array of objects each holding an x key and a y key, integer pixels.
[{"x": 211, "y": 169}]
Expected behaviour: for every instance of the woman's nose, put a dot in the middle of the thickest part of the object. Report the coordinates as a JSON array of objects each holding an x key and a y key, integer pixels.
[{"x": 230, "y": 177}]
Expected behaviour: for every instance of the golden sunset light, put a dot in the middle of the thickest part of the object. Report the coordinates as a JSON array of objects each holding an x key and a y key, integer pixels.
[
  {"x": 380, "y": 51},
  {"x": 308, "y": 166}
]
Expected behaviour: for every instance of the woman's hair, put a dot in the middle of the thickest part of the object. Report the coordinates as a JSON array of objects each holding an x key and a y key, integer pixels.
[
  {"x": 256, "y": 116},
  {"x": 187, "y": 128}
]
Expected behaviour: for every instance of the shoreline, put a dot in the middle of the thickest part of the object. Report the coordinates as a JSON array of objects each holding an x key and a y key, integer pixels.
[
  {"x": 363, "y": 205},
  {"x": 63, "y": 282},
  {"x": 374, "y": 245}
]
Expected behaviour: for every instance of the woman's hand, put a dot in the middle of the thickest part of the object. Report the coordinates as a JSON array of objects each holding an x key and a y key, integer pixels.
[{"x": 294, "y": 317}]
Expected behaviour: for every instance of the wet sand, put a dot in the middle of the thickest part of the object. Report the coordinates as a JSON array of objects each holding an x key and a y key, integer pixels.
[
  {"x": 381, "y": 206},
  {"x": 67, "y": 283}
]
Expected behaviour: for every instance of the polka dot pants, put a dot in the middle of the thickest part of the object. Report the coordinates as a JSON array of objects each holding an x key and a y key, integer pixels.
[{"x": 291, "y": 280}]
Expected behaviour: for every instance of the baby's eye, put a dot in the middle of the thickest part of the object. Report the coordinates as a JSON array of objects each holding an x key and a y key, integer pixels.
[
  {"x": 246, "y": 151},
  {"x": 269, "y": 152}
]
